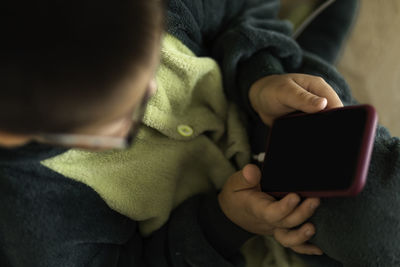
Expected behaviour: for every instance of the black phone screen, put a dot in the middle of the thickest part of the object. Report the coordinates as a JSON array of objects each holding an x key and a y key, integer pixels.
[{"x": 314, "y": 152}]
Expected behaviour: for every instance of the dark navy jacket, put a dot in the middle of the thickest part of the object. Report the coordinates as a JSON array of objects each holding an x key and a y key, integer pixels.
[{"x": 47, "y": 219}]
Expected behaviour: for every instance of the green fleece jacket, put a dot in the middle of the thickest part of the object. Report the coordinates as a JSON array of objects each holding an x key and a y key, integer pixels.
[
  {"x": 191, "y": 141},
  {"x": 49, "y": 219}
]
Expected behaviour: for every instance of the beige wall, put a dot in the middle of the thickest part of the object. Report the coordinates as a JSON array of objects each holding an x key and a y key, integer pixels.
[{"x": 371, "y": 59}]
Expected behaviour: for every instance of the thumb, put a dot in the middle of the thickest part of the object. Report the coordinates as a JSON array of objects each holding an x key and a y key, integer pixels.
[
  {"x": 248, "y": 178},
  {"x": 306, "y": 101}
]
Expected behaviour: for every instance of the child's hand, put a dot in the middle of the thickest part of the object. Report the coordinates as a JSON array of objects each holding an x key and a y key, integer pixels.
[
  {"x": 245, "y": 205},
  {"x": 277, "y": 95}
]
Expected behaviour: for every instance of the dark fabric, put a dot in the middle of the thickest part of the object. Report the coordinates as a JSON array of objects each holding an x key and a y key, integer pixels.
[
  {"x": 186, "y": 223},
  {"x": 50, "y": 220},
  {"x": 325, "y": 35},
  {"x": 363, "y": 230},
  {"x": 218, "y": 229},
  {"x": 320, "y": 261},
  {"x": 360, "y": 231},
  {"x": 233, "y": 32}
]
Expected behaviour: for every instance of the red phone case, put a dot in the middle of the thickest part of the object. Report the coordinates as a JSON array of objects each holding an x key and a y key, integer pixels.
[{"x": 362, "y": 163}]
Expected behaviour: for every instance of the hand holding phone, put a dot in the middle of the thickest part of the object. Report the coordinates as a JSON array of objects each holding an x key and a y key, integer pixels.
[
  {"x": 242, "y": 202},
  {"x": 325, "y": 154}
]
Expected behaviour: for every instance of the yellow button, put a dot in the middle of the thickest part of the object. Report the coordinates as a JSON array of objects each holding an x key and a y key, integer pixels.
[{"x": 185, "y": 130}]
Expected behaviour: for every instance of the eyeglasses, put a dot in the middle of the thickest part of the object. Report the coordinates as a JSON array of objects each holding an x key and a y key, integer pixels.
[{"x": 100, "y": 142}]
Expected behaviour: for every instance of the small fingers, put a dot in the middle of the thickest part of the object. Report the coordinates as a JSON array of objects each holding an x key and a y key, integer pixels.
[
  {"x": 276, "y": 211},
  {"x": 322, "y": 88},
  {"x": 303, "y": 212},
  {"x": 294, "y": 237},
  {"x": 296, "y": 97},
  {"x": 307, "y": 249},
  {"x": 246, "y": 179},
  {"x": 318, "y": 86}
]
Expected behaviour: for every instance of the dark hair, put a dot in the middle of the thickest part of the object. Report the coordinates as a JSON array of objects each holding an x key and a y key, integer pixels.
[{"x": 60, "y": 57}]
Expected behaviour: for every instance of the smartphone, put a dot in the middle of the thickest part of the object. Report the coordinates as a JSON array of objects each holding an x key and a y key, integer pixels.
[{"x": 324, "y": 154}]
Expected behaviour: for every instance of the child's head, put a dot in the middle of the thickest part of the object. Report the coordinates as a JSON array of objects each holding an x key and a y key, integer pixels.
[{"x": 75, "y": 66}]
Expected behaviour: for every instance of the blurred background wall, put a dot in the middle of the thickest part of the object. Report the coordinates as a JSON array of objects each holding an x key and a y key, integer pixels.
[{"x": 370, "y": 60}]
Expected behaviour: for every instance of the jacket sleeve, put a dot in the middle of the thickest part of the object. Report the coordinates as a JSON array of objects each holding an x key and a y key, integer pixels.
[
  {"x": 326, "y": 33},
  {"x": 50, "y": 220},
  {"x": 244, "y": 36},
  {"x": 249, "y": 41},
  {"x": 360, "y": 231}
]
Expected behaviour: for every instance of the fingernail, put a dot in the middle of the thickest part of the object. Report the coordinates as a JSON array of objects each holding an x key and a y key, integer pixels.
[
  {"x": 293, "y": 201},
  {"x": 309, "y": 233},
  {"x": 316, "y": 101},
  {"x": 313, "y": 206},
  {"x": 318, "y": 252}
]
